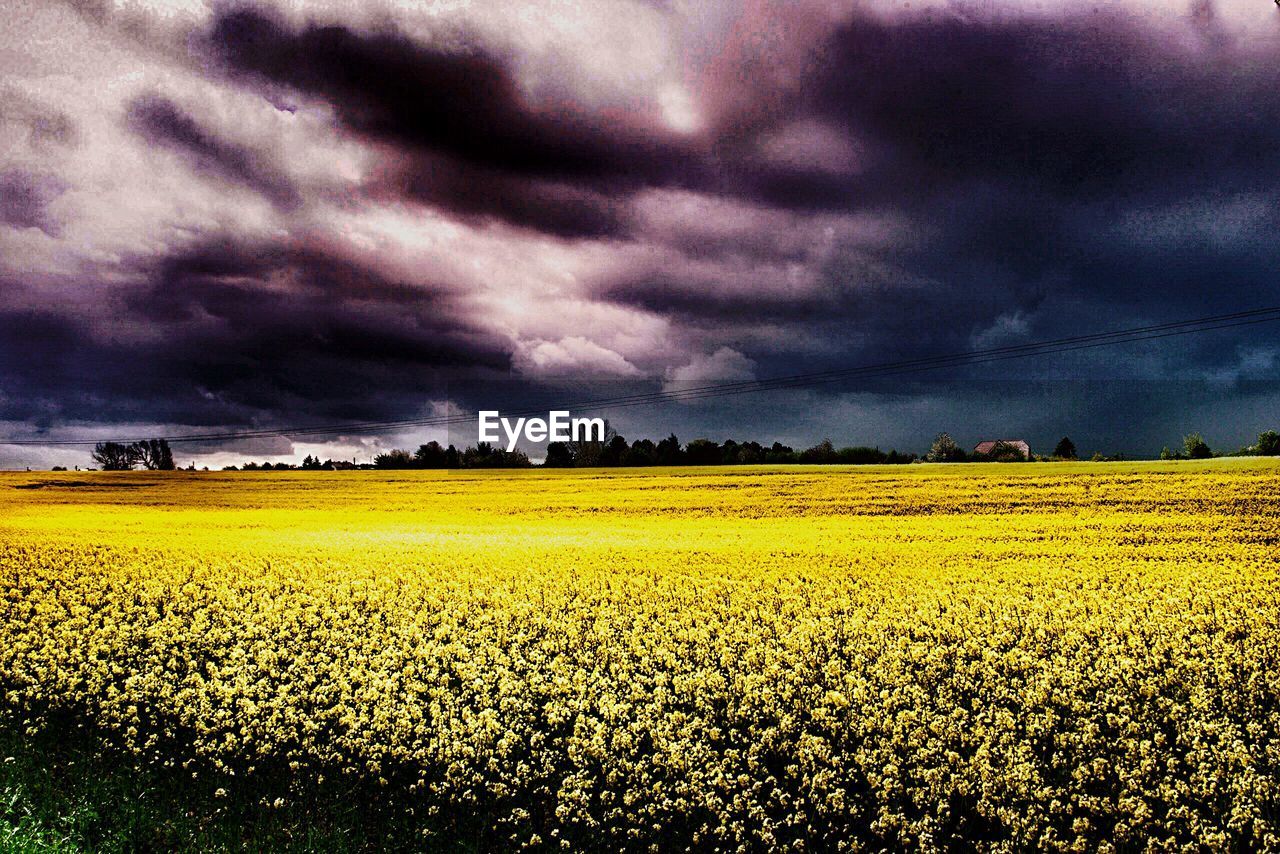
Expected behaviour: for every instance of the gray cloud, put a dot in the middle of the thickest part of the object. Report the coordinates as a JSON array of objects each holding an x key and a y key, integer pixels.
[
  {"x": 159, "y": 121},
  {"x": 44, "y": 125},
  {"x": 25, "y": 199}
]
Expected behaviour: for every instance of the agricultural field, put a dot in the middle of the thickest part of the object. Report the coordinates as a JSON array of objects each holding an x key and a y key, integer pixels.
[{"x": 1054, "y": 656}]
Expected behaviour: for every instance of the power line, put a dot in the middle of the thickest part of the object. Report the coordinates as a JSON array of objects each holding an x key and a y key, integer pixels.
[{"x": 969, "y": 357}]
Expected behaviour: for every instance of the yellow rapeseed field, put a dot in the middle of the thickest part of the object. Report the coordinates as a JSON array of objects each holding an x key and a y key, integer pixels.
[{"x": 1056, "y": 656}]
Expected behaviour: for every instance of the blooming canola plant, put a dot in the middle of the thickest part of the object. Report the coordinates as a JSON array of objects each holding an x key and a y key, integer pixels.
[{"x": 1065, "y": 656}]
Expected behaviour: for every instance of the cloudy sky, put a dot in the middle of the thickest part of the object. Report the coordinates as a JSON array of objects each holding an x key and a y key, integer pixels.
[{"x": 219, "y": 216}]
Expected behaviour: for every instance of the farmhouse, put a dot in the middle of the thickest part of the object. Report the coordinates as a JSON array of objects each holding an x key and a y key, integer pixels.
[{"x": 983, "y": 449}]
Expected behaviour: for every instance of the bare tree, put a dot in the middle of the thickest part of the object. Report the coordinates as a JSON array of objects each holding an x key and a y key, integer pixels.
[
  {"x": 588, "y": 453},
  {"x": 113, "y": 456},
  {"x": 153, "y": 454}
]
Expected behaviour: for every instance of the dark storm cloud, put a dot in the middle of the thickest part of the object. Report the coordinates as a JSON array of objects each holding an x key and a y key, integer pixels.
[
  {"x": 474, "y": 193},
  {"x": 217, "y": 345},
  {"x": 181, "y": 282},
  {"x": 25, "y": 199},
  {"x": 1009, "y": 137},
  {"x": 1086, "y": 107},
  {"x": 160, "y": 121},
  {"x": 1021, "y": 145},
  {"x": 464, "y": 103},
  {"x": 465, "y": 136},
  {"x": 1073, "y": 170},
  {"x": 328, "y": 331},
  {"x": 470, "y": 142}
]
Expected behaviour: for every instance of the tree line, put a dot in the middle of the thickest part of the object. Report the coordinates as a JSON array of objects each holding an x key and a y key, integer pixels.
[
  {"x": 615, "y": 450},
  {"x": 432, "y": 455},
  {"x": 1194, "y": 447}
]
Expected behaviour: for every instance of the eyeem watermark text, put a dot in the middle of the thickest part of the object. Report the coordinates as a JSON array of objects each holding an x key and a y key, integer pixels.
[{"x": 558, "y": 426}]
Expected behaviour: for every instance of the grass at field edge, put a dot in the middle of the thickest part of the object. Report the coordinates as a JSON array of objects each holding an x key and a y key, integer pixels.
[{"x": 62, "y": 790}]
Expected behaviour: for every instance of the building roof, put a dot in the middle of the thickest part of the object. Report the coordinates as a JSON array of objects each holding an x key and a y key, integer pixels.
[{"x": 989, "y": 446}]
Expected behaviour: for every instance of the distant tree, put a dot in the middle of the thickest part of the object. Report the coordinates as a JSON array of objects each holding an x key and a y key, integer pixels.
[
  {"x": 485, "y": 456},
  {"x": 945, "y": 450},
  {"x": 114, "y": 456},
  {"x": 231, "y": 468},
  {"x": 452, "y": 459},
  {"x": 590, "y": 453},
  {"x": 702, "y": 452},
  {"x": 153, "y": 454},
  {"x": 861, "y": 456},
  {"x": 58, "y": 468},
  {"x": 1167, "y": 454},
  {"x": 643, "y": 452},
  {"x": 1196, "y": 447},
  {"x": 558, "y": 456},
  {"x": 1269, "y": 444},
  {"x": 395, "y": 459},
  {"x": 780, "y": 453},
  {"x": 614, "y": 452},
  {"x": 668, "y": 451},
  {"x": 430, "y": 456},
  {"x": 1065, "y": 449},
  {"x": 895, "y": 458},
  {"x": 479, "y": 456},
  {"x": 823, "y": 452},
  {"x": 751, "y": 452}
]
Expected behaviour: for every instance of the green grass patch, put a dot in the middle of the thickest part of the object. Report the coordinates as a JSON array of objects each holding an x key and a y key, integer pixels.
[{"x": 62, "y": 790}]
